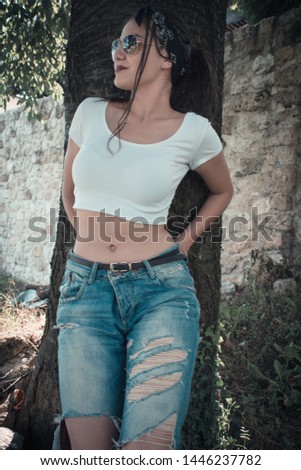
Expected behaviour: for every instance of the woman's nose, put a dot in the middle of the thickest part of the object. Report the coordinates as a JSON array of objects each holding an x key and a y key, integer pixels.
[{"x": 120, "y": 54}]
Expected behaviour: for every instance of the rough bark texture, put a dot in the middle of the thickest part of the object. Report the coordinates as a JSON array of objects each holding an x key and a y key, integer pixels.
[{"x": 93, "y": 25}]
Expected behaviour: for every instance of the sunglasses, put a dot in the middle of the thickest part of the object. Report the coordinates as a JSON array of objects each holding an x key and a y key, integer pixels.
[{"x": 129, "y": 44}]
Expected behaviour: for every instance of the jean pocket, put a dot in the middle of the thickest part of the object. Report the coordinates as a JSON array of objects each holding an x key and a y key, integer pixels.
[
  {"x": 175, "y": 275},
  {"x": 72, "y": 286}
]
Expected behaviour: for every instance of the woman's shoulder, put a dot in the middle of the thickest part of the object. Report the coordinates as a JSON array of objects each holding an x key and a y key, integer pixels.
[
  {"x": 197, "y": 122},
  {"x": 198, "y": 118},
  {"x": 96, "y": 102},
  {"x": 93, "y": 101}
]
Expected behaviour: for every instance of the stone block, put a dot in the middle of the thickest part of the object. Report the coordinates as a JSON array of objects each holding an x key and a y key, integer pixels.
[
  {"x": 282, "y": 156},
  {"x": 263, "y": 65},
  {"x": 250, "y": 166},
  {"x": 4, "y": 178},
  {"x": 290, "y": 75},
  {"x": 282, "y": 221},
  {"x": 10, "y": 440},
  {"x": 263, "y": 81},
  {"x": 3, "y": 218},
  {"x": 251, "y": 101},
  {"x": 291, "y": 96},
  {"x": 59, "y": 111},
  {"x": 283, "y": 286},
  {"x": 256, "y": 38},
  {"x": 284, "y": 54},
  {"x": 27, "y": 196},
  {"x": 282, "y": 202},
  {"x": 239, "y": 84},
  {"x": 228, "y": 288},
  {"x": 283, "y": 180},
  {"x": 237, "y": 247},
  {"x": 46, "y": 107},
  {"x": 262, "y": 204},
  {"x": 228, "y": 52}
]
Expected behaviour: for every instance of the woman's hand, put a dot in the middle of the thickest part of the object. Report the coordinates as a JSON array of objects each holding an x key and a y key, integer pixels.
[{"x": 184, "y": 245}]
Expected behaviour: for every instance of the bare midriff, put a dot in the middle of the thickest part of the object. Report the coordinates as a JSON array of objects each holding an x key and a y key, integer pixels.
[{"x": 107, "y": 238}]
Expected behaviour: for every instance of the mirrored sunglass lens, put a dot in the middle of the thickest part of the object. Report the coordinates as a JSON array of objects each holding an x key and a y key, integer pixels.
[
  {"x": 130, "y": 44},
  {"x": 115, "y": 45}
]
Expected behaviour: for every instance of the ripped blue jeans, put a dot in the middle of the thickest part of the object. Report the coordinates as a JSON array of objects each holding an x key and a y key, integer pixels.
[{"x": 127, "y": 346}]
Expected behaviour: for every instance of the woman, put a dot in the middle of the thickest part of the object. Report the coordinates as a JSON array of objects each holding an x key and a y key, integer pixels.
[{"x": 128, "y": 313}]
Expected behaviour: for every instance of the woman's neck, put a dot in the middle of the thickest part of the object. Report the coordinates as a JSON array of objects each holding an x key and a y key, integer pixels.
[{"x": 151, "y": 103}]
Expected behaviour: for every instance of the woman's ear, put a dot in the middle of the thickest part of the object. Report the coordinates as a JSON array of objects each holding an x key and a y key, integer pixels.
[{"x": 166, "y": 62}]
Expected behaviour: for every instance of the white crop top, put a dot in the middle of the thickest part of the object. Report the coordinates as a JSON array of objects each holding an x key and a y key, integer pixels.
[{"x": 139, "y": 181}]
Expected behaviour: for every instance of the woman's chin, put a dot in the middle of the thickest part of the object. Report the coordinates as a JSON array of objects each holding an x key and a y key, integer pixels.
[{"x": 122, "y": 85}]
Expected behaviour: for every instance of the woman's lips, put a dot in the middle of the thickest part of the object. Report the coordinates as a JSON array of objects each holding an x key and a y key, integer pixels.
[{"x": 119, "y": 68}]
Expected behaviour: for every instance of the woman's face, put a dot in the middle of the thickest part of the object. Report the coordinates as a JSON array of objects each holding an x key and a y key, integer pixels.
[{"x": 126, "y": 65}]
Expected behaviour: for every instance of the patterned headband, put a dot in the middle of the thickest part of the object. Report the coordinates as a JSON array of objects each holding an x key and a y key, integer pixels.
[{"x": 170, "y": 37}]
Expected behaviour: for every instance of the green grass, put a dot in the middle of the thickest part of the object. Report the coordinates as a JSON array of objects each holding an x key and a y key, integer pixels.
[
  {"x": 16, "y": 319},
  {"x": 260, "y": 367}
]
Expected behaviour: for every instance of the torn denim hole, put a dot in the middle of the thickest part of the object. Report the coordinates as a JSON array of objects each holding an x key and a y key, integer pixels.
[
  {"x": 153, "y": 386},
  {"x": 159, "y": 436},
  {"x": 159, "y": 359},
  {"x": 153, "y": 344},
  {"x": 75, "y": 414},
  {"x": 67, "y": 326},
  {"x": 61, "y": 437}
]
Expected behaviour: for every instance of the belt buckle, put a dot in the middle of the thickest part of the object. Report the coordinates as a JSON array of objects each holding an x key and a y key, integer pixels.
[{"x": 122, "y": 270}]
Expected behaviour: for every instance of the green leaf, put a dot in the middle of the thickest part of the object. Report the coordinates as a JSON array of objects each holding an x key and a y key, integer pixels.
[
  {"x": 31, "y": 3},
  {"x": 257, "y": 375},
  {"x": 278, "y": 348},
  {"x": 279, "y": 369},
  {"x": 295, "y": 399},
  {"x": 47, "y": 7}
]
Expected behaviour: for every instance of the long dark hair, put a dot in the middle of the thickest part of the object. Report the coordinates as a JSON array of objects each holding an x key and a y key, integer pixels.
[{"x": 192, "y": 92}]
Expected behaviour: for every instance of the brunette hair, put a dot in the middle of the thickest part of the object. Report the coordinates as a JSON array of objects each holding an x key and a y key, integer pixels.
[{"x": 192, "y": 91}]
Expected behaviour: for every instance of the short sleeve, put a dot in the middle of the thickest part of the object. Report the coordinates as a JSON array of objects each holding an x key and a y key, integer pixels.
[
  {"x": 210, "y": 147},
  {"x": 76, "y": 127}
]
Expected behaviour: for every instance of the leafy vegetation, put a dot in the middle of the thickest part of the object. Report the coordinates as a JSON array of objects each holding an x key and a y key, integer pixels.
[
  {"x": 256, "y": 10},
  {"x": 32, "y": 54},
  {"x": 255, "y": 356},
  {"x": 261, "y": 357},
  {"x": 260, "y": 362}
]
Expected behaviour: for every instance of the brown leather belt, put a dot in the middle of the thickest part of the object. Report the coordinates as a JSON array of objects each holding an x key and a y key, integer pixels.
[{"x": 121, "y": 267}]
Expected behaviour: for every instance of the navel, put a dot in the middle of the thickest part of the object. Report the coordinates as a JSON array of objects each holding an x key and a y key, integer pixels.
[{"x": 112, "y": 247}]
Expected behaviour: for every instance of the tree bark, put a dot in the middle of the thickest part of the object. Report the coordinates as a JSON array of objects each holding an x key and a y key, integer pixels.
[{"x": 94, "y": 24}]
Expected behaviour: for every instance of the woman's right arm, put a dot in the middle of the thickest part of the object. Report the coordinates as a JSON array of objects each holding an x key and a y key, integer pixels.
[{"x": 68, "y": 185}]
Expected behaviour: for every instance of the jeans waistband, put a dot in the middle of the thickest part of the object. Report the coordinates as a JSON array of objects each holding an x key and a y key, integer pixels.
[{"x": 167, "y": 256}]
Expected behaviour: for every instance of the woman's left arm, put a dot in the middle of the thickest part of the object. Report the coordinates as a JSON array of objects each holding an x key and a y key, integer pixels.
[{"x": 216, "y": 175}]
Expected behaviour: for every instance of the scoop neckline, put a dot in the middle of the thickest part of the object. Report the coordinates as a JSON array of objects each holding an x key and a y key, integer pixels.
[{"x": 136, "y": 143}]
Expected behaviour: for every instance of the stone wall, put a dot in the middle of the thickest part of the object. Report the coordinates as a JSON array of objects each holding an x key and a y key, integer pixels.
[
  {"x": 261, "y": 130},
  {"x": 31, "y": 161}
]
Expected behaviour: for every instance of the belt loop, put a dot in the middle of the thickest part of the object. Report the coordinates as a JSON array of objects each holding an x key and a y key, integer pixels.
[
  {"x": 150, "y": 270},
  {"x": 92, "y": 273}
]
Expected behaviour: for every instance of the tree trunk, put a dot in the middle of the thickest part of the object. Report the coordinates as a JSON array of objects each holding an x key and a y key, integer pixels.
[{"x": 93, "y": 25}]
